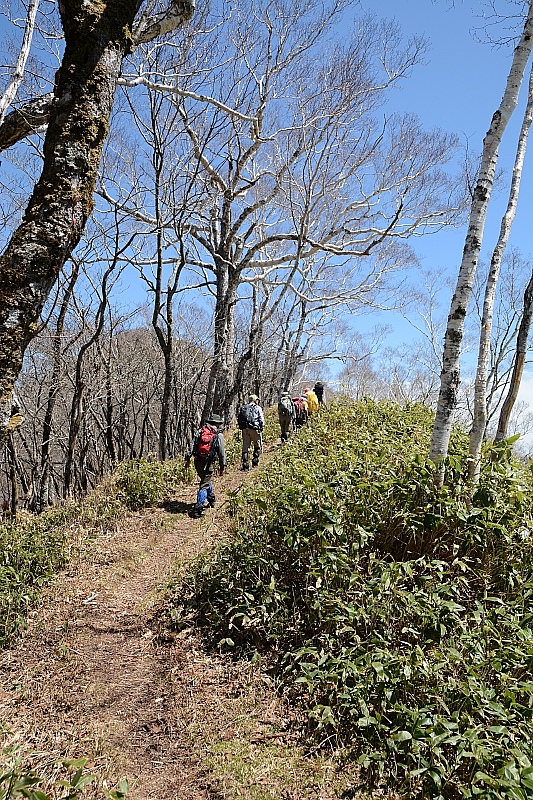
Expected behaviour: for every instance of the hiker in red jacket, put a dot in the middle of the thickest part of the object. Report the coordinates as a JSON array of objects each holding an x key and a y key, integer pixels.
[{"x": 207, "y": 447}]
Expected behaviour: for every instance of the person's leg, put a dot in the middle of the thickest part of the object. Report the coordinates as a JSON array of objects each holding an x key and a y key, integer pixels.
[
  {"x": 256, "y": 438},
  {"x": 246, "y": 442},
  {"x": 205, "y": 472}
]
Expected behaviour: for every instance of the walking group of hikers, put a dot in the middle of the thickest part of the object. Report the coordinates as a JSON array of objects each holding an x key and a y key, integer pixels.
[
  {"x": 293, "y": 412},
  {"x": 208, "y": 446}
]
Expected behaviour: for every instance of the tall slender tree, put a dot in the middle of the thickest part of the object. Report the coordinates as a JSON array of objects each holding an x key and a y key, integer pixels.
[
  {"x": 479, "y": 423},
  {"x": 450, "y": 375}
]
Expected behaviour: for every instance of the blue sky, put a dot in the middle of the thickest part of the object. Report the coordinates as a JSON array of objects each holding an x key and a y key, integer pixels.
[{"x": 459, "y": 89}]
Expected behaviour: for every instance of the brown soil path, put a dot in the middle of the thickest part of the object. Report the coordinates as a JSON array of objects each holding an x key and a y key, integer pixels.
[{"x": 93, "y": 676}]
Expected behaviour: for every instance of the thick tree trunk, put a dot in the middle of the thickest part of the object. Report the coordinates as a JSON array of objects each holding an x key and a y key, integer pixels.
[
  {"x": 450, "y": 374},
  {"x": 221, "y": 373},
  {"x": 97, "y": 37},
  {"x": 480, "y": 391},
  {"x": 97, "y": 33},
  {"x": 518, "y": 364}
]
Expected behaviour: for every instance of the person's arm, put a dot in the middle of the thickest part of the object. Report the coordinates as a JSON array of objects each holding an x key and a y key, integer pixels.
[
  {"x": 191, "y": 452},
  {"x": 261, "y": 418}
]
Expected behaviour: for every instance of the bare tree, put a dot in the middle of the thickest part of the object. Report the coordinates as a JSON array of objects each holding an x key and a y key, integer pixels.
[
  {"x": 289, "y": 169},
  {"x": 479, "y": 424},
  {"x": 18, "y": 71}
]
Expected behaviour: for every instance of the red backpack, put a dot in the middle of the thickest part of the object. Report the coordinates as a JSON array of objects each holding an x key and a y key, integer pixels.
[
  {"x": 300, "y": 414},
  {"x": 205, "y": 442}
]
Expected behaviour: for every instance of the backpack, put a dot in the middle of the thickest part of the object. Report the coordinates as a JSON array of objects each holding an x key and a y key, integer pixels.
[
  {"x": 206, "y": 441},
  {"x": 247, "y": 417},
  {"x": 300, "y": 414},
  {"x": 285, "y": 407}
]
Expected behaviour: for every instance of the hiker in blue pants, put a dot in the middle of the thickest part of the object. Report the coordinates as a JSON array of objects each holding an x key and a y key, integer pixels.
[{"x": 207, "y": 447}]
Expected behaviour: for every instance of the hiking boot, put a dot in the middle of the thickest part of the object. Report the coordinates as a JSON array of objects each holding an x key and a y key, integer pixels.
[
  {"x": 196, "y": 512},
  {"x": 255, "y": 462},
  {"x": 211, "y": 499}
]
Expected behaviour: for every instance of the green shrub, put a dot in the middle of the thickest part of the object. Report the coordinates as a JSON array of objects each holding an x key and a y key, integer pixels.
[
  {"x": 34, "y": 547},
  {"x": 144, "y": 483},
  {"x": 396, "y": 615}
]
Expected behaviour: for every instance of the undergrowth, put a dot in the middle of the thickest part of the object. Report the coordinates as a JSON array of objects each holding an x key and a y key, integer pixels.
[
  {"x": 143, "y": 483},
  {"x": 395, "y": 615},
  {"x": 34, "y": 547}
]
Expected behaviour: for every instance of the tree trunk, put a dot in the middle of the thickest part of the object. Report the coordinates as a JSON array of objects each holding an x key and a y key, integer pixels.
[
  {"x": 450, "y": 374},
  {"x": 479, "y": 424},
  {"x": 97, "y": 36},
  {"x": 44, "y": 493},
  {"x": 221, "y": 373},
  {"x": 518, "y": 364}
]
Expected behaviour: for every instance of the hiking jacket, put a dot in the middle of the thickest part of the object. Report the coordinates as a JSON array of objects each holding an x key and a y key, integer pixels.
[
  {"x": 218, "y": 448},
  {"x": 312, "y": 402}
]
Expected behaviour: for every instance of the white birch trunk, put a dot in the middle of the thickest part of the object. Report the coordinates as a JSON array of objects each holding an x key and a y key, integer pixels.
[
  {"x": 480, "y": 391},
  {"x": 450, "y": 374},
  {"x": 16, "y": 78}
]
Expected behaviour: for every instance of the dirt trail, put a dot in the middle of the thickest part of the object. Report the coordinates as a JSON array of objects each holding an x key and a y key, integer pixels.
[{"x": 92, "y": 676}]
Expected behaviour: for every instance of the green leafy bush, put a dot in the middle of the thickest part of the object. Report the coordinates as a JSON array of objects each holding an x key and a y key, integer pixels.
[
  {"x": 144, "y": 483},
  {"x": 15, "y": 782},
  {"x": 395, "y": 614},
  {"x": 34, "y": 547}
]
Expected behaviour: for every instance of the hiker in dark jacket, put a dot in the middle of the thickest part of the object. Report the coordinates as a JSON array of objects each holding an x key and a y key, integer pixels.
[
  {"x": 208, "y": 447},
  {"x": 318, "y": 389},
  {"x": 251, "y": 422}
]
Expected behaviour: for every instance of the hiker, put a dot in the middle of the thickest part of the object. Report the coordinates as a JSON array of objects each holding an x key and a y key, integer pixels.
[
  {"x": 318, "y": 389},
  {"x": 251, "y": 422},
  {"x": 285, "y": 415},
  {"x": 207, "y": 447},
  {"x": 300, "y": 412},
  {"x": 312, "y": 401}
]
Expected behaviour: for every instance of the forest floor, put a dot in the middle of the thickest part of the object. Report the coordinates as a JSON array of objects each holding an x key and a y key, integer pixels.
[{"x": 99, "y": 673}]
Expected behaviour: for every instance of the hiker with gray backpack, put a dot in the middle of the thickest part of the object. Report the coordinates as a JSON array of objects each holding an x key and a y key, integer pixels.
[
  {"x": 251, "y": 422},
  {"x": 207, "y": 448},
  {"x": 286, "y": 415}
]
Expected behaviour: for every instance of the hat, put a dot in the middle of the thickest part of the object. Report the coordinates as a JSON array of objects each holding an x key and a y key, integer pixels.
[
  {"x": 307, "y": 389},
  {"x": 252, "y": 398},
  {"x": 216, "y": 419},
  {"x": 285, "y": 394}
]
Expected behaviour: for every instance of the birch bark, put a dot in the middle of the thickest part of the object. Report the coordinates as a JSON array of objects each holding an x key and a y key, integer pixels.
[
  {"x": 18, "y": 72},
  {"x": 450, "y": 374},
  {"x": 479, "y": 424}
]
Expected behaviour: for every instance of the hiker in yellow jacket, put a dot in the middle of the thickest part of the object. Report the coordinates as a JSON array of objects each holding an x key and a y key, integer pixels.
[{"x": 312, "y": 401}]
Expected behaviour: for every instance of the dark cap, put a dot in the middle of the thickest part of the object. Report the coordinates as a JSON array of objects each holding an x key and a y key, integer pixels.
[{"x": 216, "y": 419}]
